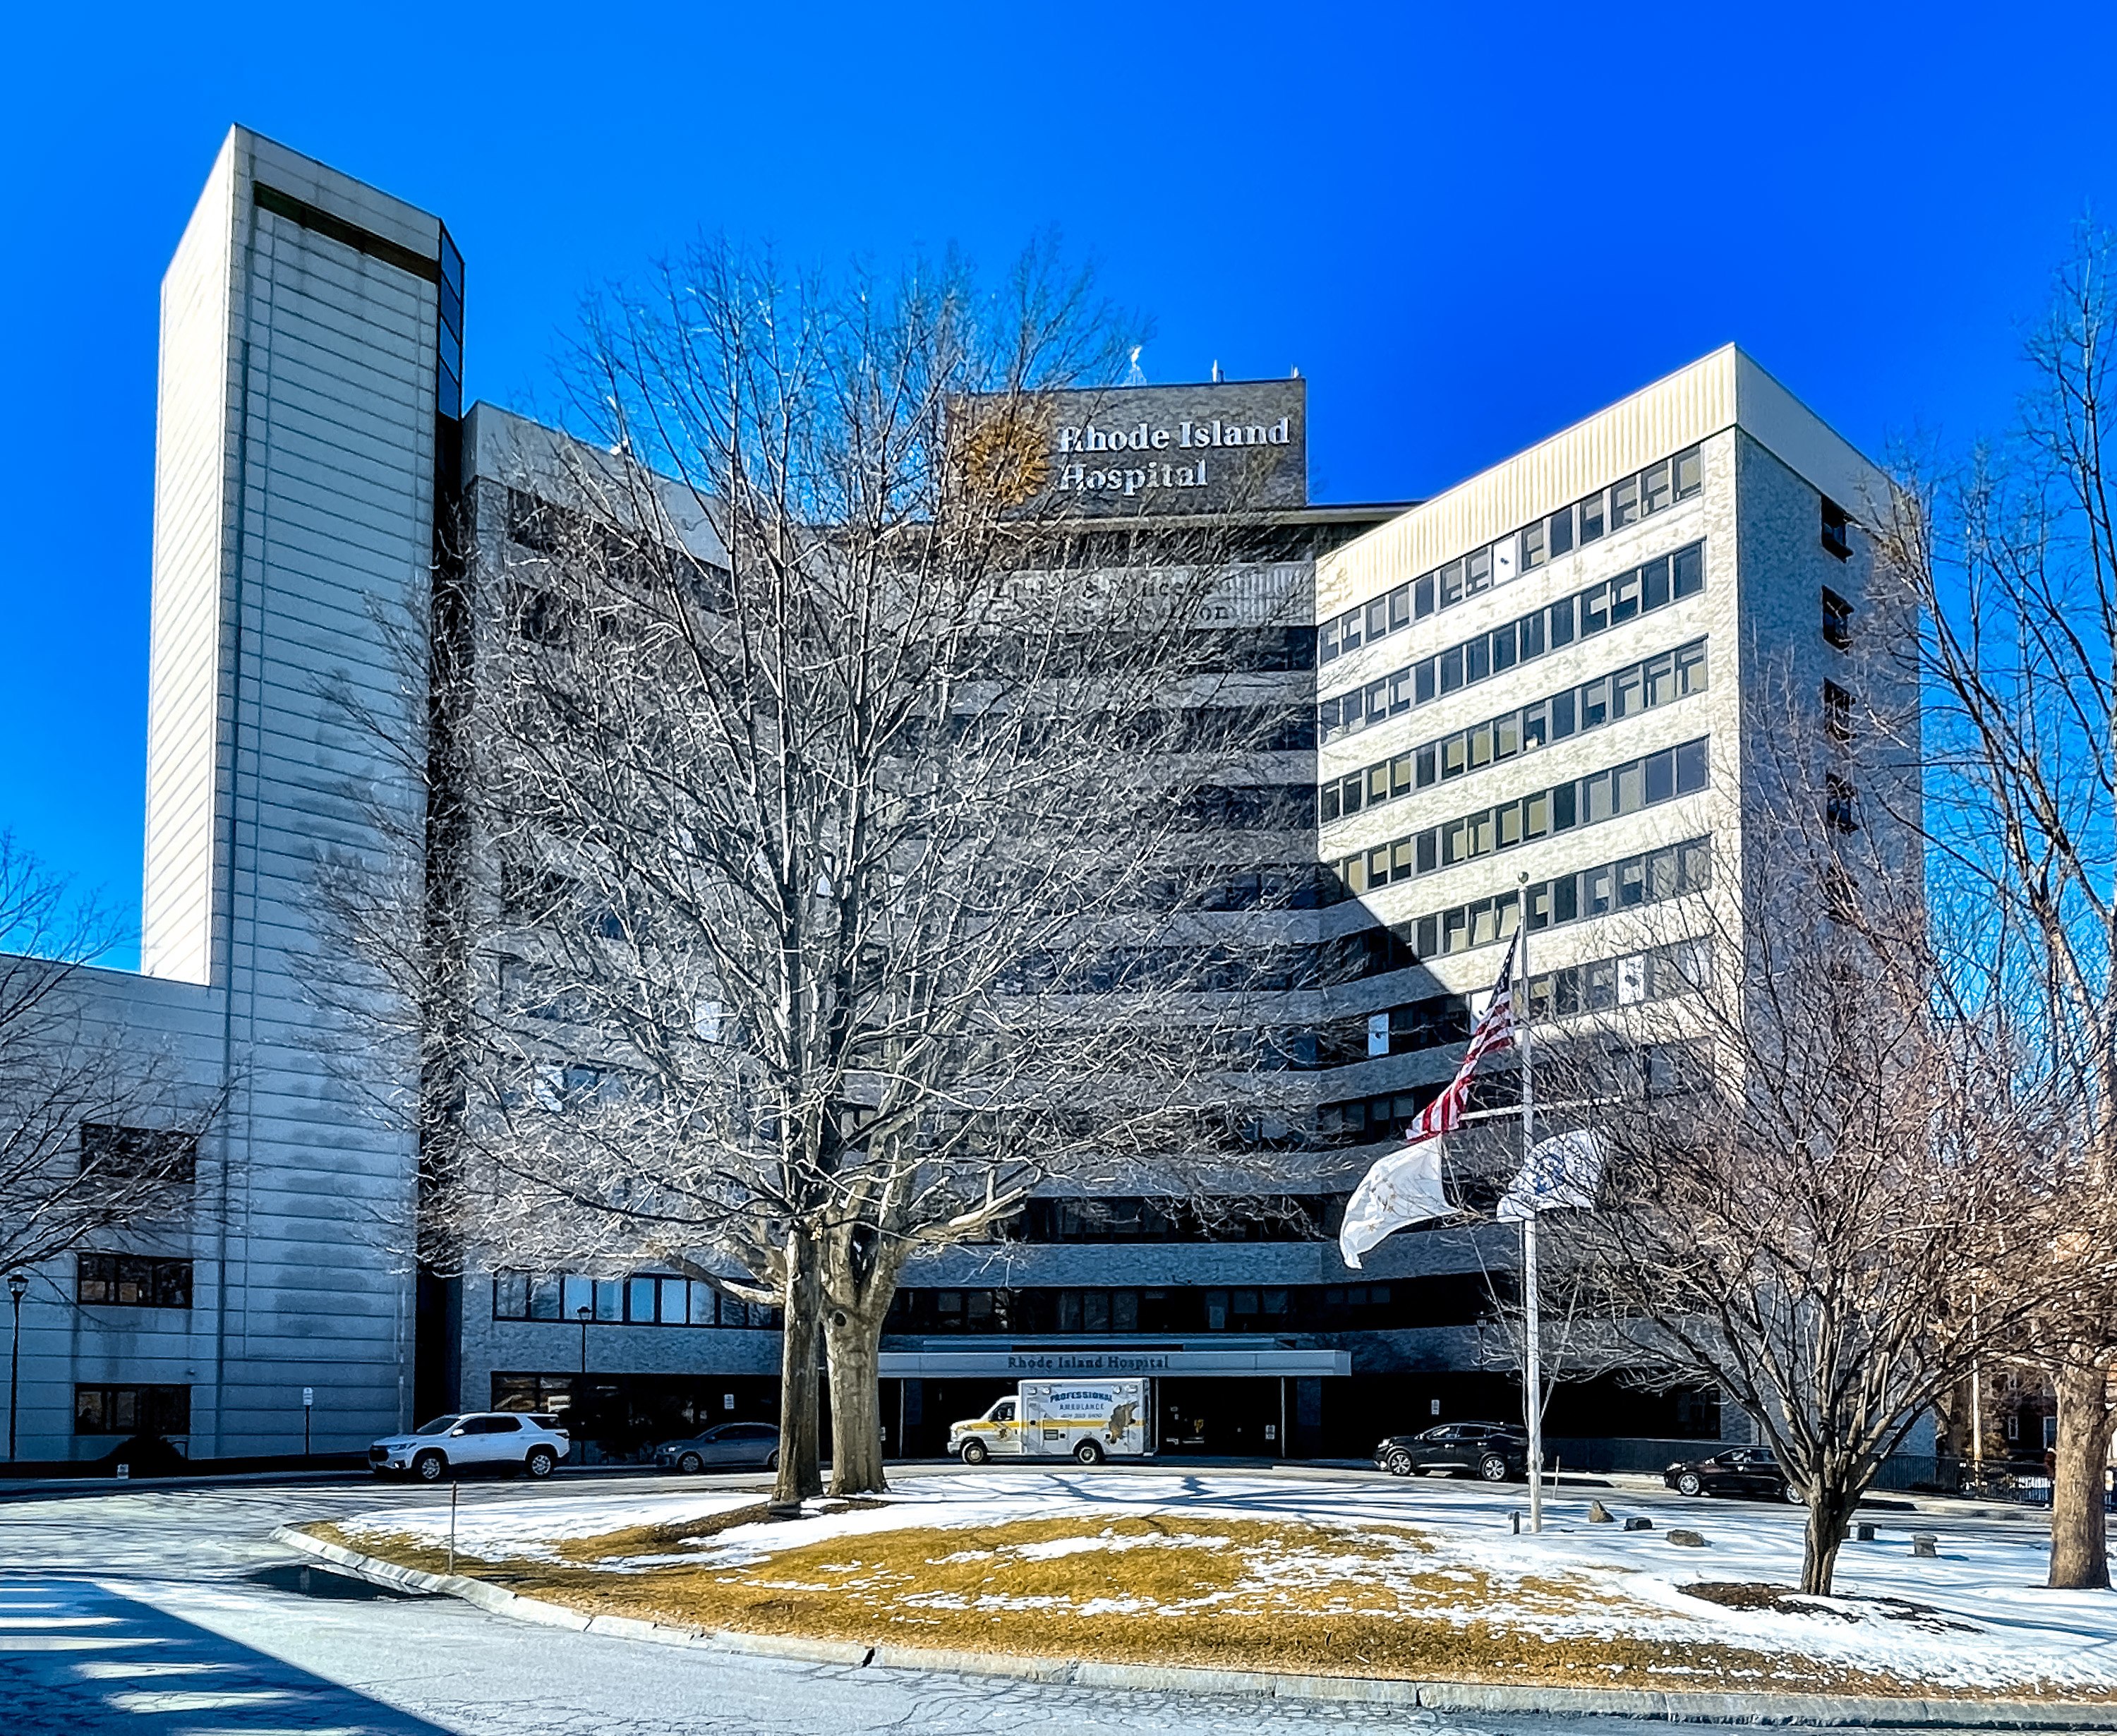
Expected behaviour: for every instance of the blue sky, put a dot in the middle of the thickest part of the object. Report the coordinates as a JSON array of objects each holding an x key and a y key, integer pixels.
[{"x": 1467, "y": 226}]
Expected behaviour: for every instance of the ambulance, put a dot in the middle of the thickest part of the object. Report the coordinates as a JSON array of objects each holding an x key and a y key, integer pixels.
[{"x": 1089, "y": 1420}]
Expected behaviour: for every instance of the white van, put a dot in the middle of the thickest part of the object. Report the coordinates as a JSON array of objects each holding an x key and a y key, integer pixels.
[{"x": 1089, "y": 1420}]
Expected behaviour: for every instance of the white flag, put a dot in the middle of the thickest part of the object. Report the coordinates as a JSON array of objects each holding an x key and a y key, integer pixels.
[
  {"x": 1563, "y": 1170},
  {"x": 1401, "y": 1189}
]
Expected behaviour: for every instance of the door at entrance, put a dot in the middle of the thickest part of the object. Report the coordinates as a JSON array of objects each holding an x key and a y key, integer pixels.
[{"x": 1226, "y": 1418}]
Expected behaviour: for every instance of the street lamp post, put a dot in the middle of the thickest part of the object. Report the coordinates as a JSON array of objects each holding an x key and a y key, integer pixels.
[
  {"x": 581, "y": 1396},
  {"x": 18, "y": 1283}
]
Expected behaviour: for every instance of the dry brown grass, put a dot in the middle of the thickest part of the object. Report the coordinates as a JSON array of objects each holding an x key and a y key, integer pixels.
[{"x": 1234, "y": 1594}]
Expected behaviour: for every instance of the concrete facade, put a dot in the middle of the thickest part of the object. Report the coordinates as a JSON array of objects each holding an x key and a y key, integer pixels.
[{"x": 296, "y": 466}]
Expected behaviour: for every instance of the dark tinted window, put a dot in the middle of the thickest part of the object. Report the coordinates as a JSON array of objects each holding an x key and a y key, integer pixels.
[{"x": 137, "y": 1153}]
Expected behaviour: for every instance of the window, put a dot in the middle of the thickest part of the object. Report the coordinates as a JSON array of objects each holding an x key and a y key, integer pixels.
[
  {"x": 131, "y": 1410},
  {"x": 1837, "y": 620},
  {"x": 133, "y": 1281},
  {"x": 1535, "y": 548},
  {"x": 1836, "y": 712},
  {"x": 1688, "y": 565},
  {"x": 537, "y": 1394},
  {"x": 1841, "y": 804},
  {"x": 1690, "y": 669},
  {"x": 1624, "y": 503},
  {"x": 1674, "y": 1070},
  {"x": 1837, "y": 530},
  {"x": 1840, "y": 898},
  {"x": 533, "y": 523},
  {"x": 137, "y": 1153},
  {"x": 1597, "y": 609}
]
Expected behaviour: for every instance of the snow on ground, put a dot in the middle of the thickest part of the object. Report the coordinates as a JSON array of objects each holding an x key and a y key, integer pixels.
[
  {"x": 528, "y": 1528},
  {"x": 1991, "y": 1622}
]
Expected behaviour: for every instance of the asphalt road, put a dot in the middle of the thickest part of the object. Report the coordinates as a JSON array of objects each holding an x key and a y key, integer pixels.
[{"x": 168, "y": 1613}]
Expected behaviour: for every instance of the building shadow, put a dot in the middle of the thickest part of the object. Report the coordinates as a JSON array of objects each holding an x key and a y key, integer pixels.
[{"x": 76, "y": 1657}]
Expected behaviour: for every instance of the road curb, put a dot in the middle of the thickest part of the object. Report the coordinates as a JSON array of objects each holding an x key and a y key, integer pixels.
[{"x": 1674, "y": 1707}]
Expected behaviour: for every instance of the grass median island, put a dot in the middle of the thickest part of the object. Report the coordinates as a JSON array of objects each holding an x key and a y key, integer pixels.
[{"x": 1278, "y": 1594}]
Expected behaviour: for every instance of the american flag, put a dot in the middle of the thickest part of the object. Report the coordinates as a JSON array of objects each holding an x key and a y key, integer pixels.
[{"x": 1495, "y": 1030}]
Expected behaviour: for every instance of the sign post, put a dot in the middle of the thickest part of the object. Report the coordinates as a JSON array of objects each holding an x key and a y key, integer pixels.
[{"x": 308, "y": 1410}]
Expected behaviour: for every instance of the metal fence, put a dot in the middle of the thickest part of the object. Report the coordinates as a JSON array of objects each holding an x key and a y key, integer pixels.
[{"x": 1651, "y": 1456}]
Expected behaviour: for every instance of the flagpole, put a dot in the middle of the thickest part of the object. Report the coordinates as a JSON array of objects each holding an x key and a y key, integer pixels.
[{"x": 1532, "y": 1320}]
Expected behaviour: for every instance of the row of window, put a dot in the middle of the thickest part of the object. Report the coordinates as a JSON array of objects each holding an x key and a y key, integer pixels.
[
  {"x": 544, "y": 898},
  {"x": 1636, "y": 880},
  {"x": 1215, "y": 969},
  {"x": 1273, "y": 1218},
  {"x": 1360, "y": 1120},
  {"x": 542, "y": 527},
  {"x": 1277, "y": 886},
  {"x": 1657, "y": 487},
  {"x": 133, "y": 1281},
  {"x": 1564, "y": 807},
  {"x": 1457, "y": 1300},
  {"x": 1607, "y": 604},
  {"x": 1624, "y": 693},
  {"x": 131, "y": 1410},
  {"x": 647, "y": 1299},
  {"x": 1247, "y": 807},
  {"x": 1653, "y": 974},
  {"x": 1655, "y": 1070},
  {"x": 1281, "y": 728},
  {"x": 1215, "y": 650},
  {"x": 1431, "y": 1023}
]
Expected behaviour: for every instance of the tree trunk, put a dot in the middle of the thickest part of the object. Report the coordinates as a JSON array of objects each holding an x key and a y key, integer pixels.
[
  {"x": 2080, "y": 1525},
  {"x": 800, "y": 1430},
  {"x": 1829, "y": 1516},
  {"x": 854, "y": 1342}
]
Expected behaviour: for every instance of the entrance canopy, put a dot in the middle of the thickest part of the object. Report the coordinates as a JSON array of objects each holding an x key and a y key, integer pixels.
[{"x": 1031, "y": 1358}]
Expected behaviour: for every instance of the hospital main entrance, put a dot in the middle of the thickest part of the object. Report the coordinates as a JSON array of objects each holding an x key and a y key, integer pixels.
[
  {"x": 1256, "y": 1399},
  {"x": 1226, "y": 1418}
]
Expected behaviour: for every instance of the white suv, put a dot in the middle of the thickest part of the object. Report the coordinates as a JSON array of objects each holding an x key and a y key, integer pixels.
[{"x": 491, "y": 1439}]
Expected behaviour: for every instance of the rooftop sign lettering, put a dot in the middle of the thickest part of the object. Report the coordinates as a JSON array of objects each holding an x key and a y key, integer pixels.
[{"x": 1145, "y": 450}]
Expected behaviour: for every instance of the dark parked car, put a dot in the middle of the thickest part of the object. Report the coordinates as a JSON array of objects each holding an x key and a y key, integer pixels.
[
  {"x": 1739, "y": 1470},
  {"x": 724, "y": 1446},
  {"x": 1496, "y": 1451}
]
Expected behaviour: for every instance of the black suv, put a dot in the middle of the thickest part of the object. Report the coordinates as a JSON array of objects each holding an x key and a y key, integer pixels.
[
  {"x": 1739, "y": 1470},
  {"x": 1497, "y": 1451}
]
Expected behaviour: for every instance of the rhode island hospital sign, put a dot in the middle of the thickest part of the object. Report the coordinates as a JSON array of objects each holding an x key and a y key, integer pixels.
[{"x": 1150, "y": 450}]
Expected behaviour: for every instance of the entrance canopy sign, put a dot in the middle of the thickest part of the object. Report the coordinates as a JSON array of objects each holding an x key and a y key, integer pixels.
[{"x": 1030, "y": 1362}]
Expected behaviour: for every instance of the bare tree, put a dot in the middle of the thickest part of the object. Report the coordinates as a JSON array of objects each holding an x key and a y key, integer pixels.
[
  {"x": 831, "y": 804},
  {"x": 94, "y": 1134},
  {"x": 2013, "y": 555},
  {"x": 1811, "y": 1193}
]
